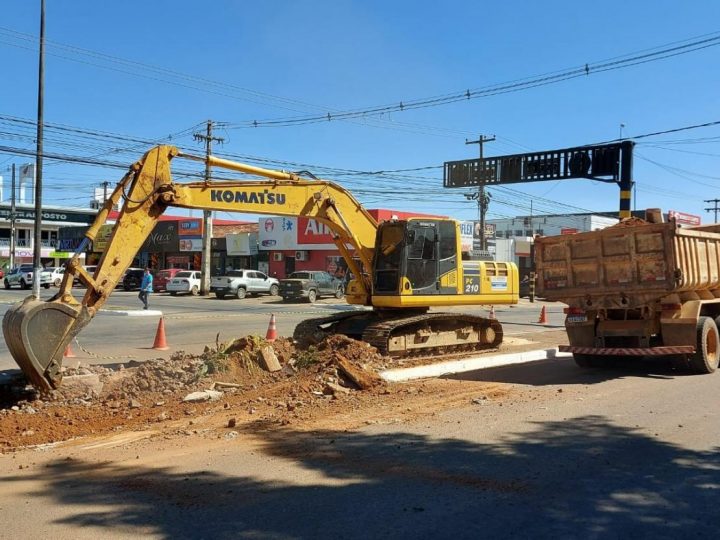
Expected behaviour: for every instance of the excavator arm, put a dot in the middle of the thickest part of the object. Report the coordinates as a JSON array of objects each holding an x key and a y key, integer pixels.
[{"x": 38, "y": 332}]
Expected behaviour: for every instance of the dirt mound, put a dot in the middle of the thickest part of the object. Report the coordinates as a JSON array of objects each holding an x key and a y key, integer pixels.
[{"x": 96, "y": 399}]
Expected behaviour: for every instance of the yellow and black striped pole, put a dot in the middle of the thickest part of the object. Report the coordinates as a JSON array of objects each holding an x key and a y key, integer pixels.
[{"x": 626, "y": 181}]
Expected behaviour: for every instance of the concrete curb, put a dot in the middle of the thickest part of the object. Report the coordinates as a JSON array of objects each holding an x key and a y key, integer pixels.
[
  {"x": 132, "y": 313},
  {"x": 469, "y": 364}
]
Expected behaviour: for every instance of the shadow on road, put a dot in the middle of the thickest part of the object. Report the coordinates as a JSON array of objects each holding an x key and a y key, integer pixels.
[
  {"x": 564, "y": 371},
  {"x": 581, "y": 478}
]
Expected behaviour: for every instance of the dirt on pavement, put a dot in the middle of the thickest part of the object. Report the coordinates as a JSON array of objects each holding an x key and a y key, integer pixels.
[{"x": 226, "y": 388}]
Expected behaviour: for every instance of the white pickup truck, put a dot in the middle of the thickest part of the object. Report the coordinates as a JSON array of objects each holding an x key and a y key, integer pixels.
[
  {"x": 22, "y": 276},
  {"x": 239, "y": 283}
]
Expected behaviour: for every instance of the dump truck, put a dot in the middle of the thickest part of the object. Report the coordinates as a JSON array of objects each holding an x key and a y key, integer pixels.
[
  {"x": 638, "y": 288},
  {"x": 401, "y": 268}
]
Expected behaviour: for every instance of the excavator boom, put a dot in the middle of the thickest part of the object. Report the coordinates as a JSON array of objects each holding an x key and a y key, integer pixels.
[{"x": 37, "y": 332}]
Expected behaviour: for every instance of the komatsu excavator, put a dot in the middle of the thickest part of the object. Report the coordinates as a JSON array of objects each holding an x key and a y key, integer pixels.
[{"x": 401, "y": 268}]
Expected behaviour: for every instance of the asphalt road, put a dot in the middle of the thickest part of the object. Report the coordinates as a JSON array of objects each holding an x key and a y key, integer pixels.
[
  {"x": 566, "y": 453},
  {"x": 194, "y": 322}
]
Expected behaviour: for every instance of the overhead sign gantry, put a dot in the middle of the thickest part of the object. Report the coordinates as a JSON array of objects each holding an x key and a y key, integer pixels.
[{"x": 604, "y": 162}]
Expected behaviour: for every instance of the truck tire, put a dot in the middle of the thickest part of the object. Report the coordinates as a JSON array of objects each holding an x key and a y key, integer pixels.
[
  {"x": 274, "y": 290},
  {"x": 588, "y": 360},
  {"x": 220, "y": 295},
  {"x": 339, "y": 293},
  {"x": 7, "y": 284},
  {"x": 195, "y": 290},
  {"x": 705, "y": 359},
  {"x": 312, "y": 296},
  {"x": 24, "y": 285},
  {"x": 240, "y": 293},
  {"x": 46, "y": 285}
]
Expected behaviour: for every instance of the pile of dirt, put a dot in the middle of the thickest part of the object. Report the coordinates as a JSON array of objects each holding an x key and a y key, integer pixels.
[{"x": 96, "y": 399}]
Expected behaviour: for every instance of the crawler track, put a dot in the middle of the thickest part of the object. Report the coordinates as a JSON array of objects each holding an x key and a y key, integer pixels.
[{"x": 402, "y": 336}]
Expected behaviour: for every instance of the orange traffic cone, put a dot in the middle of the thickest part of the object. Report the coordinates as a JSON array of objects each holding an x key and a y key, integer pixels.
[
  {"x": 271, "y": 331},
  {"x": 492, "y": 312},
  {"x": 160, "y": 343},
  {"x": 68, "y": 352},
  {"x": 543, "y": 316}
]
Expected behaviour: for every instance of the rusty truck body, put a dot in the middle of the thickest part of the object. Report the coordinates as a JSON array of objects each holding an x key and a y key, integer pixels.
[{"x": 636, "y": 289}]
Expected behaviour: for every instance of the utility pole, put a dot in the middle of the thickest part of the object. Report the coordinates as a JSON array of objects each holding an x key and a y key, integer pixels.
[
  {"x": 207, "y": 214},
  {"x": 37, "y": 263},
  {"x": 715, "y": 209},
  {"x": 12, "y": 220},
  {"x": 105, "y": 186},
  {"x": 483, "y": 199}
]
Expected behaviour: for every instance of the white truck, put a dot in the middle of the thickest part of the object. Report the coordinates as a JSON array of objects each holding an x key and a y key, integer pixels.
[
  {"x": 22, "y": 276},
  {"x": 239, "y": 283}
]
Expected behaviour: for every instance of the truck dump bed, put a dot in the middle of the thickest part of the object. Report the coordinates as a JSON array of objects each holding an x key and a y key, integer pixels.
[{"x": 628, "y": 265}]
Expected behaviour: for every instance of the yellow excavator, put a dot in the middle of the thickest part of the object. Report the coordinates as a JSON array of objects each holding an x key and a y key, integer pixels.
[{"x": 401, "y": 268}]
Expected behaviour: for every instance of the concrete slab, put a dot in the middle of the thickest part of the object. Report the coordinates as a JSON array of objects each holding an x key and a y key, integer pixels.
[
  {"x": 470, "y": 364},
  {"x": 132, "y": 312}
]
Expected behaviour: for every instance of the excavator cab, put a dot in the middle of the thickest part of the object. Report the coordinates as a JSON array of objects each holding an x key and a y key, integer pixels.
[{"x": 412, "y": 256}]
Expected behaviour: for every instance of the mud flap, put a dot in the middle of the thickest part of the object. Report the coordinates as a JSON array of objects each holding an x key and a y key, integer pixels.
[{"x": 37, "y": 333}]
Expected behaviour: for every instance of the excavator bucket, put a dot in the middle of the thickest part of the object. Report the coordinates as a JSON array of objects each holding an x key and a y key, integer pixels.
[{"x": 37, "y": 333}]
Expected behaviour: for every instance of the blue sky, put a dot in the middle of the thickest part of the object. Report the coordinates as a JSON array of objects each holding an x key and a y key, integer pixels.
[{"x": 145, "y": 70}]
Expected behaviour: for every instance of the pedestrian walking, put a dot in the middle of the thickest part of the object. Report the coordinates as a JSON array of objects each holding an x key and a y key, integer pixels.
[{"x": 146, "y": 287}]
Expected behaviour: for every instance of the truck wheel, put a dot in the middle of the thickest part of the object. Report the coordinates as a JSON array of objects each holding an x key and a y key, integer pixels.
[
  {"x": 46, "y": 285},
  {"x": 7, "y": 284},
  {"x": 220, "y": 295},
  {"x": 312, "y": 296},
  {"x": 587, "y": 360},
  {"x": 339, "y": 293},
  {"x": 57, "y": 282},
  {"x": 241, "y": 293},
  {"x": 274, "y": 290},
  {"x": 23, "y": 285},
  {"x": 705, "y": 359}
]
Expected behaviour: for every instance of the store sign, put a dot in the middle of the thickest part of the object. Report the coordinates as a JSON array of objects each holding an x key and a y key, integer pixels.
[
  {"x": 190, "y": 244},
  {"x": 312, "y": 231},
  {"x": 569, "y": 231},
  {"x": 683, "y": 218},
  {"x": 282, "y": 233},
  {"x": 64, "y": 216},
  {"x": 466, "y": 235},
  {"x": 164, "y": 237},
  {"x": 243, "y": 244},
  {"x": 27, "y": 252},
  {"x": 190, "y": 227}
]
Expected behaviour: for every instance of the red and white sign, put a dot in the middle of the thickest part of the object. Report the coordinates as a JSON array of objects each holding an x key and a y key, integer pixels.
[
  {"x": 683, "y": 218},
  {"x": 569, "y": 231},
  {"x": 311, "y": 231}
]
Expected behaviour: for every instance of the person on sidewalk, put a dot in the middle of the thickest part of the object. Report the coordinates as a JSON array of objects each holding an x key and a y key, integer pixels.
[{"x": 145, "y": 287}]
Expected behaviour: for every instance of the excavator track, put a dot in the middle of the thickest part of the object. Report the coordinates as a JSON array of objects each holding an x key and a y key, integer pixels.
[
  {"x": 402, "y": 336},
  {"x": 433, "y": 334}
]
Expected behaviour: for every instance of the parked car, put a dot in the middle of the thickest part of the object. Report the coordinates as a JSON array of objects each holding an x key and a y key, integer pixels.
[
  {"x": 310, "y": 285},
  {"x": 186, "y": 281},
  {"x": 163, "y": 276},
  {"x": 22, "y": 276},
  {"x": 238, "y": 283},
  {"x": 56, "y": 274},
  {"x": 133, "y": 278},
  {"x": 89, "y": 269}
]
